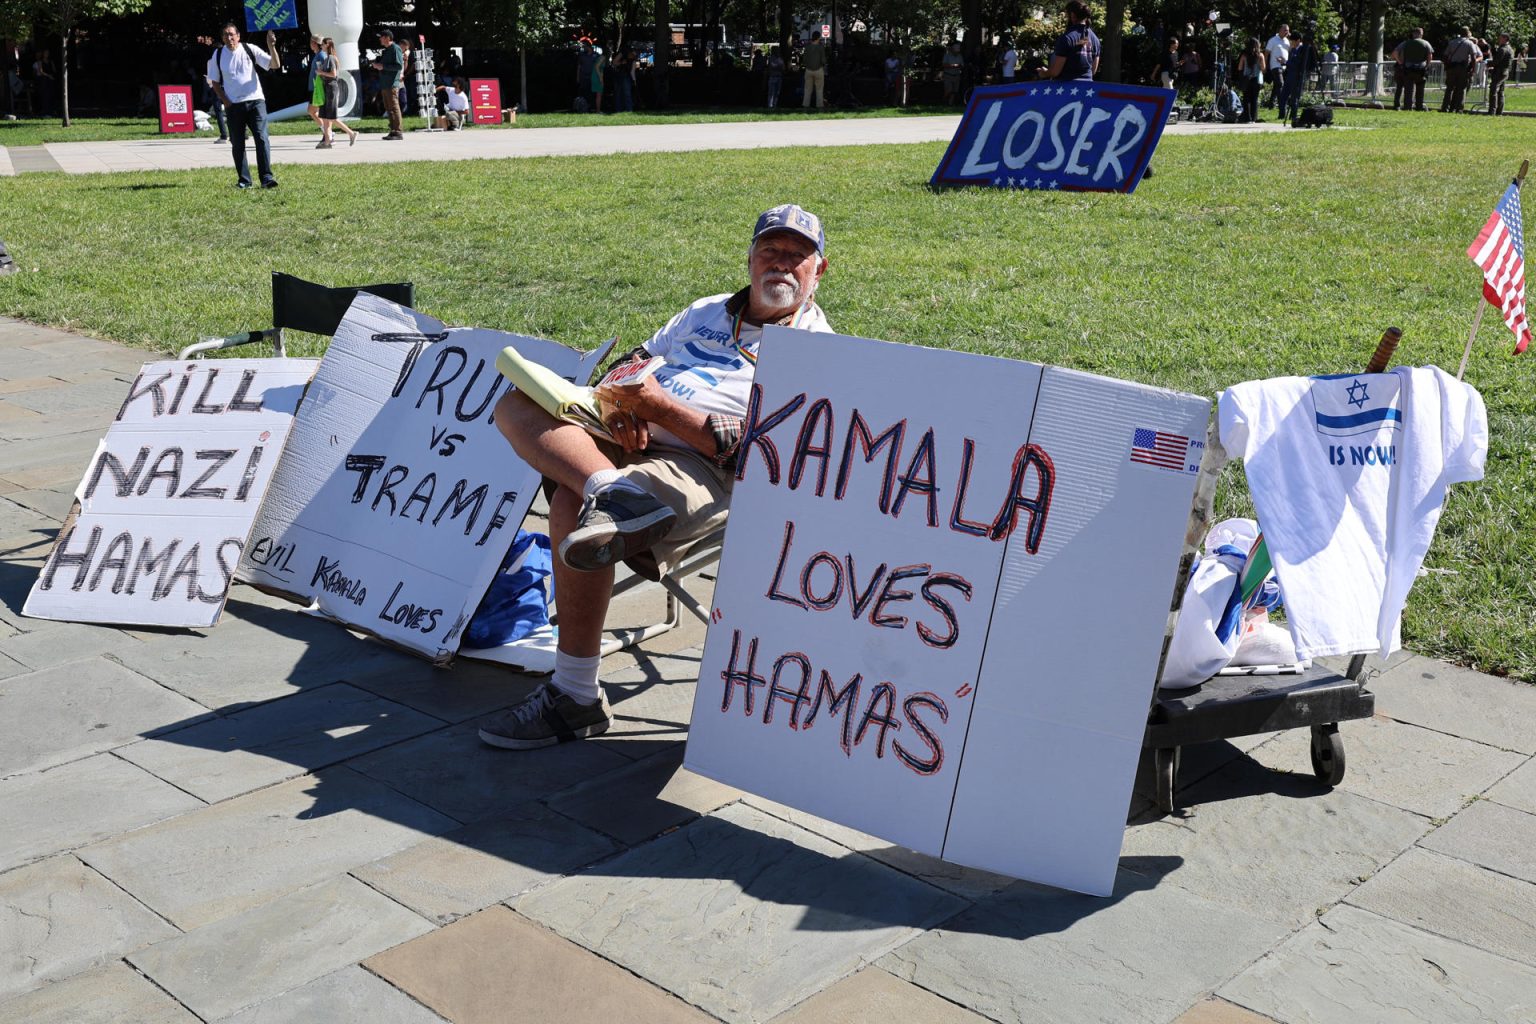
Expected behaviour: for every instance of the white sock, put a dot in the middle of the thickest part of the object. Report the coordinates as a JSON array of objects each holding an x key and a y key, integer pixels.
[
  {"x": 605, "y": 477},
  {"x": 577, "y": 677}
]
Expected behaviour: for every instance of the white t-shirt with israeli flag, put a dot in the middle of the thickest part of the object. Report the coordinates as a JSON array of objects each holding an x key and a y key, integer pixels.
[
  {"x": 711, "y": 353},
  {"x": 1348, "y": 474}
]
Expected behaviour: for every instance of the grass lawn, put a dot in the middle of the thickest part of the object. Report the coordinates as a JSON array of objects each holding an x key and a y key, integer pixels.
[
  {"x": 1246, "y": 256},
  {"x": 41, "y": 131}
]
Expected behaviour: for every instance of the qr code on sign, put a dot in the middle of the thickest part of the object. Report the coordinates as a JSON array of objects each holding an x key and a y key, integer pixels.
[{"x": 176, "y": 103}]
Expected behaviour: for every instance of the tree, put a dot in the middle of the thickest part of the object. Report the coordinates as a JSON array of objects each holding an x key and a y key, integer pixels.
[
  {"x": 63, "y": 16},
  {"x": 516, "y": 25}
]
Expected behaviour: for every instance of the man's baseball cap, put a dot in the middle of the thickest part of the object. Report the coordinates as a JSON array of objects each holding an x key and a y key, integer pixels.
[{"x": 790, "y": 217}]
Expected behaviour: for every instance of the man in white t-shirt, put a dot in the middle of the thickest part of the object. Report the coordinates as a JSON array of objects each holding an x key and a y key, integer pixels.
[
  {"x": 1010, "y": 62},
  {"x": 456, "y": 113},
  {"x": 232, "y": 73},
  {"x": 667, "y": 482},
  {"x": 1277, "y": 50}
]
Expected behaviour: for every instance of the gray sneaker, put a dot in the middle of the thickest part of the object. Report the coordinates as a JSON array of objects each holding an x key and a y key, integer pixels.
[
  {"x": 616, "y": 522},
  {"x": 546, "y": 717}
]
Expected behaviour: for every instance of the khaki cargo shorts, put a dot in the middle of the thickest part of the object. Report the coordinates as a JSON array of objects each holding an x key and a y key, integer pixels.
[{"x": 686, "y": 482}]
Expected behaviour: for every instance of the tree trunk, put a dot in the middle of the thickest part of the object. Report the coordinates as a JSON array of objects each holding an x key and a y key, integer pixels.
[
  {"x": 522, "y": 80},
  {"x": 970, "y": 12},
  {"x": 786, "y": 26},
  {"x": 1114, "y": 19},
  {"x": 64, "y": 76},
  {"x": 663, "y": 17},
  {"x": 1374, "y": 86}
]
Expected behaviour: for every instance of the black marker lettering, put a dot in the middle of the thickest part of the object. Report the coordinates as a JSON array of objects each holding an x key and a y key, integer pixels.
[{"x": 238, "y": 402}]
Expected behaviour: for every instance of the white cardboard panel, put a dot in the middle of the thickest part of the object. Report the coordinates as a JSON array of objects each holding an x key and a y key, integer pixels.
[
  {"x": 869, "y": 787},
  {"x": 168, "y": 498},
  {"x": 1077, "y": 632},
  {"x": 398, "y": 497},
  {"x": 1048, "y": 683}
]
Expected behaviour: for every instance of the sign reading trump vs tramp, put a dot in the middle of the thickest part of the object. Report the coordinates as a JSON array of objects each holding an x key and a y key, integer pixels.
[
  {"x": 397, "y": 497},
  {"x": 941, "y": 605},
  {"x": 1077, "y": 136}
]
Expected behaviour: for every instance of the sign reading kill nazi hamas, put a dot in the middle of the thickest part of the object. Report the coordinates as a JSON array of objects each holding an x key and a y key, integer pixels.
[
  {"x": 168, "y": 499},
  {"x": 1078, "y": 136},
  {"x": 398, "y": 497},
  {"x": 941, "y": 606}
]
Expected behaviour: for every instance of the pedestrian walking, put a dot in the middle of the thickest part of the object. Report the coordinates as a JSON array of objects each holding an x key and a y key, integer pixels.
[{"x": 330, "y": 117}]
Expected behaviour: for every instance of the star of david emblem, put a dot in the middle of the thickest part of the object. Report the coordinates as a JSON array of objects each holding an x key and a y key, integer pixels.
[{"x": 1357, "y": 395}]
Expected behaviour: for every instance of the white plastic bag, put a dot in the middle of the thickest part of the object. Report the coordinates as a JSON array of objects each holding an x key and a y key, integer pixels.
[{"x": 1210, "y": 625}]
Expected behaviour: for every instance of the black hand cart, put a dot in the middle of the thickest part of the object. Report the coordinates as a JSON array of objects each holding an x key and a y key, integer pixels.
[{"x": 1227, "y": 706}]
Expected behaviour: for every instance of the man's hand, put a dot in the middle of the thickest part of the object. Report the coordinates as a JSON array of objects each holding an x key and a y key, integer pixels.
[{"x": 630, "y": 409}]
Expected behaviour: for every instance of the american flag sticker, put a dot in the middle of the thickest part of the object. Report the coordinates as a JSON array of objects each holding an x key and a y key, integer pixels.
[{"x": 1156, "y": 448}]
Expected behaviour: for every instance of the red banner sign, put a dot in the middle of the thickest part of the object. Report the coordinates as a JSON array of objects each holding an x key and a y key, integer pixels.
[
  {"x": 176, "y": 109},
  {"x": 485, "y": 100}
]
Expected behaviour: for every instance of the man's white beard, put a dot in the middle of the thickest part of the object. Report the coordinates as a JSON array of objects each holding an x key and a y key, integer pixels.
[{"x": 781, "y": 294}]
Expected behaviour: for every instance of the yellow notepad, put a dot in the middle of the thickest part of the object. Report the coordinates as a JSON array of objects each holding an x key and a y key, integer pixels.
[{"x": 572, "y": 403}]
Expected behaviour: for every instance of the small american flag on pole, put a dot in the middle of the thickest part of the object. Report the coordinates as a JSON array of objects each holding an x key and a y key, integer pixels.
[
  {"x": 1156, "y": 448},
  {"x": 1500, "y": 253}
]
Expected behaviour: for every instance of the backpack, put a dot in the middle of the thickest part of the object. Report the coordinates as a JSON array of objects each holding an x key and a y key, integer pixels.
[{"x": 218, "y": 61}]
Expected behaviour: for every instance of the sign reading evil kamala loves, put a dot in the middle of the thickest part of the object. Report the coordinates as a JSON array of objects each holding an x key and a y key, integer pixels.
[
  {"x": 941, "y": 607},
  {"x": 262, "y": 15},
  {"x": 168, "y": 498},
  {"x": 1078, "y": 136},
  {"x": 398, "y": 497}
]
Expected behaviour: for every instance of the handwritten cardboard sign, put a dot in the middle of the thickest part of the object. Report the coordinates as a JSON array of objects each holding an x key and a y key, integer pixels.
[
  {"x": 261, "y": 15},
  {"x": 942, "y": 603},
  {"x": 398, "y": 496},
  {"x": 1078, "y": 136},
  {"x": 169, "y": 497}
]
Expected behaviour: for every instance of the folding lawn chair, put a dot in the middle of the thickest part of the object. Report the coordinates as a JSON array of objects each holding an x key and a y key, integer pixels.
[{"x": 303, "y": 306}]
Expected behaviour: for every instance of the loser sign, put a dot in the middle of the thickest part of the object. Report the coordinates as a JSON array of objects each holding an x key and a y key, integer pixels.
[
  {"x": 1078, "y": 136},
  {"x": 170, "y": 494},
  {"x": 398, "y": 497},
  {"x": 940, "y": 609}
]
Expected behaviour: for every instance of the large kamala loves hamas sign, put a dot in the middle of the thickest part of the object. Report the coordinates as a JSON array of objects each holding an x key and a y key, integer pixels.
[
  {"x": 1077, "y": 136},
  {"x": 943, "y": 598}
]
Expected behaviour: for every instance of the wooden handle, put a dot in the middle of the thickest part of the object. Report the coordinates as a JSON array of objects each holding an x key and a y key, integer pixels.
[
  {"x": 1525, "y": 165},
  {"x": 1384, "y": 350}
]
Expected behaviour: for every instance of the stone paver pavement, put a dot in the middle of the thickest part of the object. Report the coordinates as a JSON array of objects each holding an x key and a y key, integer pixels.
[
  {"x": 178, "y": 154},
  {"x": 274, "y": 821}
]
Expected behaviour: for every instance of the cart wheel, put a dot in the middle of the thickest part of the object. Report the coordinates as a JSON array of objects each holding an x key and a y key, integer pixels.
[
  {"x": 1328, "y": 754},
  {"x": 1165, "y": 764}
]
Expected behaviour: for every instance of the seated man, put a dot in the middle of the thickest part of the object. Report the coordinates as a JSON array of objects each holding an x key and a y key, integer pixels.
[{"x": 667, "y": 483}]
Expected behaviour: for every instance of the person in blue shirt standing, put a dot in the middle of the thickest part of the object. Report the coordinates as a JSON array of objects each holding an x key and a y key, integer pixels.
[{"x": 1076, "y": 56}]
